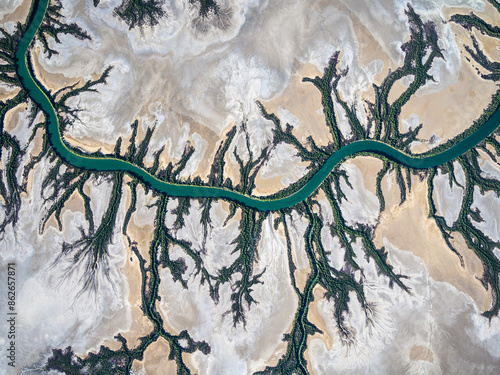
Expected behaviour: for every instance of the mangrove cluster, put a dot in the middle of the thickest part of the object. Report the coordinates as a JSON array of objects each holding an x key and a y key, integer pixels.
[{"x": 89, "y": 253}]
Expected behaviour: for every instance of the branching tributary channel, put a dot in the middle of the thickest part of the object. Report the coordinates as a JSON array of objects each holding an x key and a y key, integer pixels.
[
  {"x": 300, "y": 196},
  {"x": 80, "y": 160}
]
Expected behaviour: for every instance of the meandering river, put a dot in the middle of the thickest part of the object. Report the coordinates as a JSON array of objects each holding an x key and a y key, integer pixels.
[{"x": 109, "y": 163}]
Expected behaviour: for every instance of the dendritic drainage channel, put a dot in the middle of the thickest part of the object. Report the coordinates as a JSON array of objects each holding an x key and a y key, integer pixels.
[{"x": 70, "y": 170}]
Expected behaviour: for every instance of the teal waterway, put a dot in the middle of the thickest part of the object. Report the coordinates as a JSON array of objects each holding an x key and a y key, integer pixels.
[{"x": 107, "y": 163}]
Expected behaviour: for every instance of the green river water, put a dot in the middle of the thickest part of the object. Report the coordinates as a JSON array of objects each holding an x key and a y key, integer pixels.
[{"x": 77, "y": 159}]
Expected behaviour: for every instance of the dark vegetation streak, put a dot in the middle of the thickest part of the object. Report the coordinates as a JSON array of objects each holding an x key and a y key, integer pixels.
[
  {"x": 54, "y": 26},
  {"x": 90, "y": 252},
  {"x": 11, "y": 151},
  {"x": 470, "y": 22},
  {"x": 148, "y": 13},
  {"x": 140, "y": 13},
  {"x": 206, "y": 7},
  {"x": 385, "y": 121},
  {"x": 475, "y": 239}
]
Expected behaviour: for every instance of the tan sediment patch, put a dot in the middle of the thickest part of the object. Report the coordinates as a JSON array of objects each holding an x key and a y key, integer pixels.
[
  {"x": 141, "y": 325},
  {"x": 489, "y": 14},
  {"x": 453, "y": 110},
  {"x": 156, "y": 360},
  {"x": 484, "y": 157},
  {"x": 491, "y": 46},
  {"x": 281, "y": 228},
  {"x": 187, "y": 361},
  {"x": 231, "y": 170},
  {"x": 51, "y": 81},
  {"x": 51, "y": 222},
  {"x": 111, "y": 344},
  {"x": 167, "y": 328},
  {"x": 205, "y": 164},
  {"x": 301, "y": 277},
  {"x": 279, "y": 351},
  {"x": 89, "y": 145},
  {"x": 266, "y": 186},
  {"x": 390, "y": 190},
  {"x": 12, "y": 117},
  {"x": 396, "y": 91},
  {"x": 271, "y": 185},
  {"x": 472, "y": 263},
  {"x": 141, "y": 235},
  {"x": 370, "y": 49},
  {"x": 37, "y": 148},
  {"x": 320, "y": 195},
  {"x": 408, "y": 227},
  {"x": 303, "y": 99},
  {"x": 421, "y": 353},
  {"x": 6, "y": 94},
  {"x": 19, "y": 14},
  {"x": 369, "y": 167},
  {"x": 315, "y": 318},
  {"x": 75, "y": 203},
  {"x": 37, "y": 142},
  {"x": 225, "y": 206}
]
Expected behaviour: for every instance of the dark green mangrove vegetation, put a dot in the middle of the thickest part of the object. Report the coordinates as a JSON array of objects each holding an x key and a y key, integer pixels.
[
  {"x": 476, "y": 239},
  {"x": 470, "y": 22},
  {"x": 53, "y": 26},
  {"x": 78, "y": 173},
  {"x": 148, "y": 13},
  {"x": 206, "y": 7},
  {"x": 141, "y": 13},
  {"x": 11, "y": 150}
]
